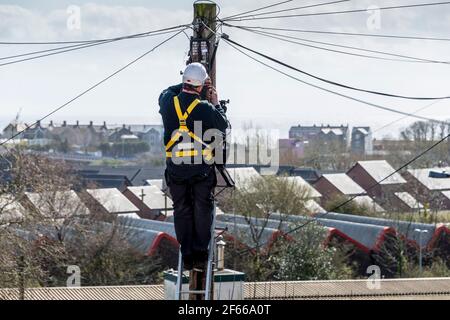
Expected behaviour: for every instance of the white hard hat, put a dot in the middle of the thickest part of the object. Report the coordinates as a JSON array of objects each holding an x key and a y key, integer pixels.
[{"x": 195, "y": 74}]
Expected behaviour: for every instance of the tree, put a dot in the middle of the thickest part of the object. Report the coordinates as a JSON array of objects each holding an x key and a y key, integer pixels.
[
  {"x": 265, "y": 203},
  {"x": 306, "y": 257},
  {"x": 54, "y": 232}
]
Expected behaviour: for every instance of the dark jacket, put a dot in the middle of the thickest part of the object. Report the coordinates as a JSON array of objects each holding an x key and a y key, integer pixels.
[{"x": 212, "y": 117}]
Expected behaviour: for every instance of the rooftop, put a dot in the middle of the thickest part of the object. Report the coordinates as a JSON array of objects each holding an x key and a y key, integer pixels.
[
  {"x": 423, "y": 176},
  {"x": 417, "y": 289},
  {"x": 299, "y": 181},
  {"x": 244, "y": 176},
  {"x": 409, "y": 200},
  {"x": 113, "y": 201},
  {"x": 62, "y": 203},
  {"x": 379, "y": 170},
  {"x": 153, "y": 197},
  {"x": 344, "y": 183}
]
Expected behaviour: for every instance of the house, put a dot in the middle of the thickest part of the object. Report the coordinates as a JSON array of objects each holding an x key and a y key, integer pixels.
[
  {"x": 337, "y": 184},
  {"x": 378, "y": 180},
  {"x": 300, "y": 182},
  {"x": 310, "y": 175},
  {"x": 37, "y": 131},
  {"x": 59, "y": 204},
  {"x": 96, "y": 179},
  {"x": 11, "y": 210},
  {"x": 134, "y": 175},
  {"x": 362, "y": 141},
  {"x": 407, "y": 202},
  {"x": 429, "y": 190},
  {"x": 341, "y": 185},
  {"x": 109, "y": 201},
  {"x": 324, "y": 134},
  {"x": 118, "y": 133},
  {"x": 78, "y": 136},
  {"x": 160, "y": 183},
  {"x": 151, "y": 201},
  {"x": 14, "y": 128},
  {"x": 244, "y": 176},
  {"x": 291, "y": 150}
]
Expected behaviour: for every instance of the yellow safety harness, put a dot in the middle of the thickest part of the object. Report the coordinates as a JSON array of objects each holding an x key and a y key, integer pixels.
[{"x": 207, "y": 152}]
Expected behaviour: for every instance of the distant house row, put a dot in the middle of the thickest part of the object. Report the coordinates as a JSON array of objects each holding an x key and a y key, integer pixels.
[
  {"x": 358, "y": 139},
  {"x": 146, "y": 212},
  {"x": 147, "y": 202},
  {"x": 375, "y": 184},
  {"x": 83, "y": 135}
]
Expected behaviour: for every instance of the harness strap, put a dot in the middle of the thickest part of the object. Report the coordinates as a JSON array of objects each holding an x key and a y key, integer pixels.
[{"x": 182, "y": 117}]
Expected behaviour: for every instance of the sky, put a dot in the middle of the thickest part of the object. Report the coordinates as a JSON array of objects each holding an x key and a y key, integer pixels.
[{"x": 259, "y": 96}]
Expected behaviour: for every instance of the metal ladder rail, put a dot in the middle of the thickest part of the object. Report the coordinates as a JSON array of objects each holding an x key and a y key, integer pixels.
[{"x": 210, "y": 266}]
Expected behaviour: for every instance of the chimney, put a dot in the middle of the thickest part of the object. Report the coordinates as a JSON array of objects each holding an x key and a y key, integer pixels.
[
  {"x": 51, "y": 123},
  {"x": 124, "y": 126},
  {"x": 64, "y": 124},
  {"x": 91, "y": 124},
  {"x": 38, "y": 124},
  {"x": 104, "y": 125}
]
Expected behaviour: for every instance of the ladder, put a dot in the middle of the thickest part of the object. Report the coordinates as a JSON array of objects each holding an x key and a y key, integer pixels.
[
  {"x": 208, "y": 291},
  {"x": 224, "y": 181}
]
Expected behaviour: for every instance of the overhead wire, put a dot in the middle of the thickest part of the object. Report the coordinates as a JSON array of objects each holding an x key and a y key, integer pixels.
[
  {"x": 377, "y": 106},
  {"x": 258, "y": 9},
  {"x": 371, "y": 35},
  {"x": 92, "y": 87},
  {"x": 294, "y": 9},
  {"x": 341, "y": 12},
  {"x": 329, "y": 81},
  {"x": 136, "y": 35},
  {"x": 60, "y": 50},
  {"x": 405, "y": 117},
  {"x": 281, "y": 37},
  {"x": 80, "y": 45}
]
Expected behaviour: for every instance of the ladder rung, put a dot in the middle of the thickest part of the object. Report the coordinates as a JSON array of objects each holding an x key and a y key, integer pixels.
[{"x": 194, "y": 291}]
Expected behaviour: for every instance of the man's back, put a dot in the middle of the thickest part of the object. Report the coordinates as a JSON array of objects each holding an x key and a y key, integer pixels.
[{"x": 211, "y": 117}]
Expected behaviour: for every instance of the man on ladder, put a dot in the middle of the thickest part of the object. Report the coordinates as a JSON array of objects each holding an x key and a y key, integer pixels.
[{"x": 190, "y": 161}]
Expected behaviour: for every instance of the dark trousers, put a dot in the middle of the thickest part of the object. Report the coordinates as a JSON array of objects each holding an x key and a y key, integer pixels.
[{"x": 193, "y": 201}]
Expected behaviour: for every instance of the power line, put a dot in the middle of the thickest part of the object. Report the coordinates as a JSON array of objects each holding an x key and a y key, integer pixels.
[
  {"x": 258, "y": 9},
  {"x": 342, "y": 12},
  {"x": 335, "y": 92},
  {"x": 71, "y": 48},
  {"x": 281, "y": 38},
  {"x": 405, "y": 117},
  {"x": 92, "y": 87},
  {"x": 294, "y": 9},
  {"x": 136, "y": 35},
  {"x": 349, "y": 33},
  {"x": 81, "y": 45},
  {"x": 332, "y": 82}
]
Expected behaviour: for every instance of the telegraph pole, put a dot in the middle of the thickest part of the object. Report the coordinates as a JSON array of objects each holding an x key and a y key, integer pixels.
[
  {"x": 203, "y": 48},
  {"x": 203, "y": 43}
]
